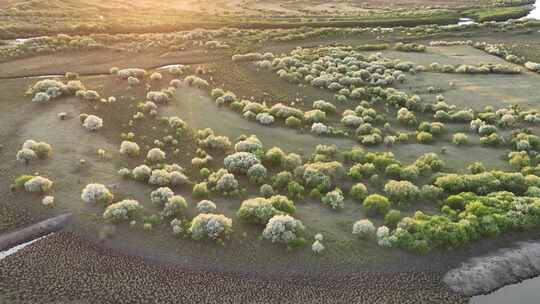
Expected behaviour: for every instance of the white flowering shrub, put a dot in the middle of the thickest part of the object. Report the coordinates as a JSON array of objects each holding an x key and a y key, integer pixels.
[
  {"x": 38, "y": 184},
  {"x": 91, "y": 95},
  {"x": 41, "y": 149},
  {"x": 48, "y": 201},
  {"x": 178, "y": 178},
  {"x": 96, "y": 194},
  {"x": 206, "y": 206},
  {"x": 156, "y": 76},
  {"x": 131, "y": 72},
  {"x": 41, "y": 97},
  {"x": 160, "y": 177},
  {"x": 240, "y": 162},
  {"x": 227, "y": 183},
  {"x": 210, "y": 226},
  {"x": 317, "y": 247},
  {"x": 155, "y": 155},
  {"x": 177, "y": 226},
  {"x": 209, "y": 140},
  {"x": 319, "y": 237},
  {"x": 122, "y": 211},
  {"x": 383, "y": 236},
  {"x": 92, "y": 123},
  {"x": 46, "y": 85},
  {"x": 364, "y": 229},
  {"x": 158, "y": 97},
  {"x": 161, "y": 195},
  {"x": 141, "y": 173},
  {"x": 196, "y": 81},
  {"x": 174, "y": 206},
  {"x": 334, "y": 199},
  {"x": 283, "y": 229},
  {"x": 26, "y": 155},
  {"x": 250, "y": 144},
  {"x": 133, "y": 81},
  {"x": 149, "y": 106},
  {"x": 129, "y": 148},
  {"x": 319, "y": 128},
  {"x": 532, "y": 66},
  {"x": 352, "y": 121},
  {"x": 265, "y": 119}
]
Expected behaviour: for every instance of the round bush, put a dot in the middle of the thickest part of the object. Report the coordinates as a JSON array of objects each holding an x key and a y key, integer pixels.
[
  {"x": 210, "y": 226},
  {"x": 334, "y": 199},
  {"x": 155, "y": 155},
  {"x": 460, "y": 139},
  {"x": 363, "y": 229},
  {"x": 402, "y": 192},
  {"x": 129, "y": 148},
  {"x": 376, "y": 204},
  {"x": 174, "y": 206},
  {"x": 283, "y": 229},
  {"x": 392, "y": 218},
  {"x": 96, "y": 194},
  {"x": 92, "y": 123},
  {"x": 257, "y": 174},
  {"x": 257, "y": 210},
  {"x": 424, "y": 137},
  {"x": 122, "y": 211},
  {"x": 240, "y": 162},
  {"x": 206, "y": 206},
  {"x": 358, "y": 192},
  {"x": 161, "y": 195}
]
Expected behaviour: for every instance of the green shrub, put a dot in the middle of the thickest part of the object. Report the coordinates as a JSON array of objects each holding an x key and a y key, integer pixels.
[
  {"x": 282, "y": 203},
  {"x": 358, "y": 192},
  {"x": 200, "y": 190},
  {"x": 295, "y": 190},
  {"x": 257, "y": 211},
  {"x": 376, "y": 204},
  {"x": 460, "y": 139},
  {"x": 274, "y": 156},
  {"x": 282, "y": 180},
  {"x": 361, "y": 171},
  {"x": 424, "y": 137},
  {"x": 402, "y": 192},
  {"x": 392, "y": 218},
  {"x": 19, "y": 181},
  {"x": 293, "y": 122}
]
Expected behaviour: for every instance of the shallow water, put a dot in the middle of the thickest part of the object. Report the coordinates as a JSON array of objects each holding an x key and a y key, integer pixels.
[
  {"x": 535, "y": 13},
  {"x": 525, "y": 292}
]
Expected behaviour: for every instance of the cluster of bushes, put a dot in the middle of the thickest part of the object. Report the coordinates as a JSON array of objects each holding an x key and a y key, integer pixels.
[
  {"x": 33, "y": 183},
  {"x": 159, "y": 174},
  {"x": 482, "y": 68},
  {"x": 259, "y": 210},
  {"x": 465, "y": 218},
  {"x": 486, "y": 182},
  {"x": 410, "y": 47},
  {"x": 47, "y": 89},
  {"x": 32, "y": 150},
  {"x": 339, "y": 69},
  {"x": 207, "y": 139}
]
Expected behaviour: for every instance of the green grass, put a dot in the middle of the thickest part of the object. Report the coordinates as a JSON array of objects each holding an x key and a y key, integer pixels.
[{"x": 499, "y": 13}]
